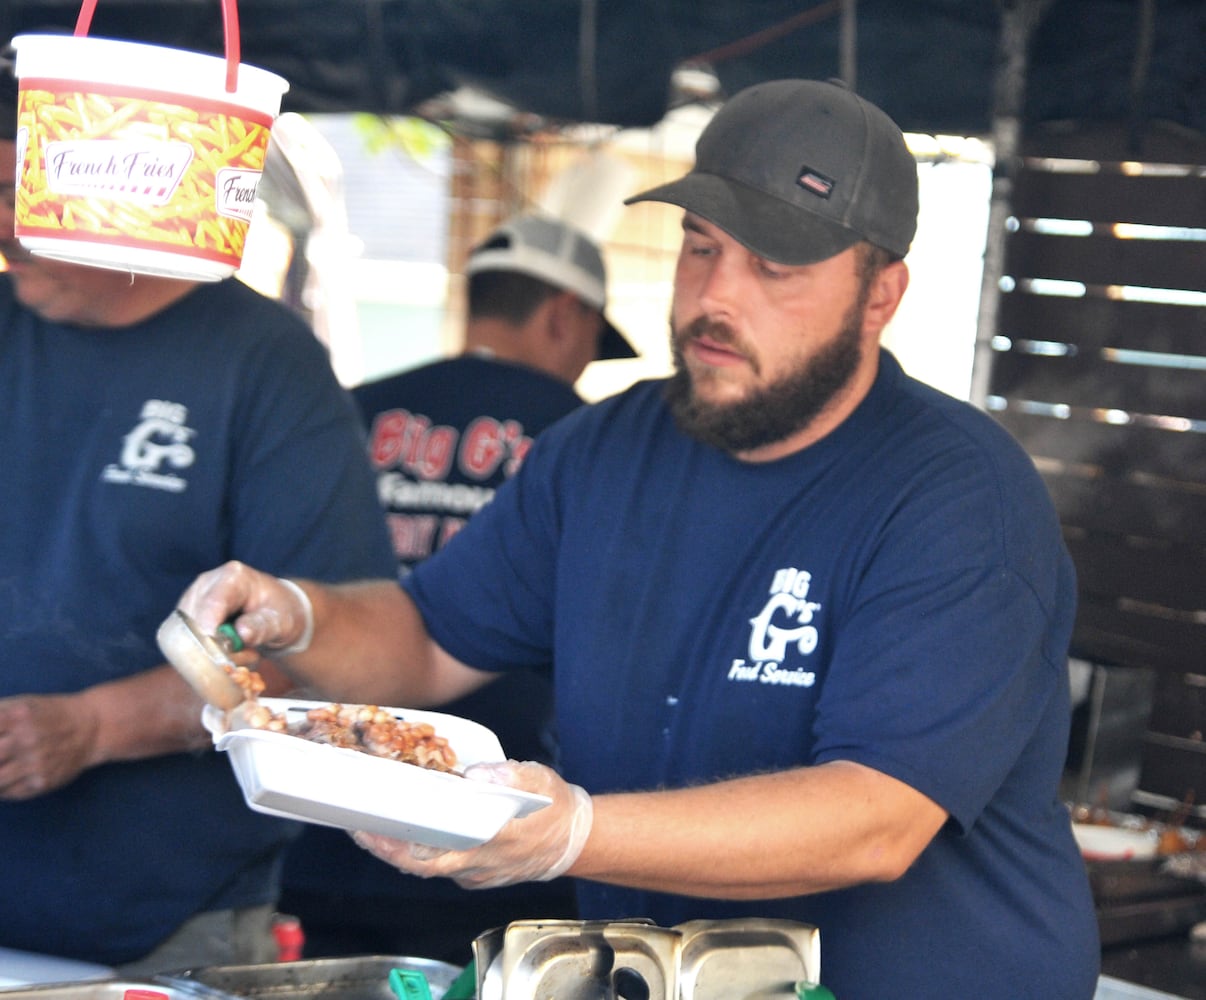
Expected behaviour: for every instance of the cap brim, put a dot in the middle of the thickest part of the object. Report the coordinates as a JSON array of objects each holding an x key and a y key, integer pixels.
[
  {"x": 613, "y": 345},
  {"x": 768, "y": 226}
]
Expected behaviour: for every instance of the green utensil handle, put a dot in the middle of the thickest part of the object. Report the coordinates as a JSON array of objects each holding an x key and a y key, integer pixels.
[
  {"x": 408, "y": 984},
  {"x": 229, "y": 638},
  {"x": 464, "y": 987}
]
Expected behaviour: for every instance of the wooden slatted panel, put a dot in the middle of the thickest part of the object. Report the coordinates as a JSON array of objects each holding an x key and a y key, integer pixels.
[
  {"x": 1097, "y": 322},
  {"x": 1108, "y": 633},
  {"x": 1122, "y": 446},
  {"x": 1182, "y": 701},
  {"x": 1130, "y": 507},
  {"x": 1111, "y": 197},
  {"x": 1109, "y": 398},
  {"x": 1090, "y": 381},
  {"x": 1105, "y": 260},
  {"x": 1136, "y": 451},
  {"x": 1141, "y": 575}
]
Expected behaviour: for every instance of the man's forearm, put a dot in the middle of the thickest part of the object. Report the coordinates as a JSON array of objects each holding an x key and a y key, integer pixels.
[
  {"x": 144, "y": 715},
  {"x": 818, "y": 829},
  {"x": 370, "y": 645}
]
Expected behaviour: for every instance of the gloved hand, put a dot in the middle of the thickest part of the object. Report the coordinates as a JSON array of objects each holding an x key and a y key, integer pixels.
[
  {"x": 539, "y": 847},
  {"x": 274, "y": 615}
]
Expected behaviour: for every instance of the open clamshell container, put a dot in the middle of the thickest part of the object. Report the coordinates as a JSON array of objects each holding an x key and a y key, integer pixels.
[{"x": 285, "y": 775}]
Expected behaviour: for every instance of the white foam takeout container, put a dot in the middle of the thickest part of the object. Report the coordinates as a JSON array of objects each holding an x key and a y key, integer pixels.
[
  {"x": 1115, "y": 843},
  {"x": 284, "y": 775}
]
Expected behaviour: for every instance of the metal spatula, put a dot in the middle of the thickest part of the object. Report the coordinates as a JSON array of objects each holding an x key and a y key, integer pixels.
[{"x": 200, "y": 660}]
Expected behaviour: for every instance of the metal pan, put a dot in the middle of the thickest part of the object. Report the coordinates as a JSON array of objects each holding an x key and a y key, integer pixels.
[{"x": 358, "y": 978}]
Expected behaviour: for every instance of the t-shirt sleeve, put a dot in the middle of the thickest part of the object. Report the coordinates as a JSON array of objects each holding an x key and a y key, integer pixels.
[
  {"x": 303, "y": 494},
  {"x": 488, "y": 597},
  {"x": 946, "y": 662}
]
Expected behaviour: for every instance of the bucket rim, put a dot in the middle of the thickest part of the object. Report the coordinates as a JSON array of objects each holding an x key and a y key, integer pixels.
[{"x": 156, "y": 56}]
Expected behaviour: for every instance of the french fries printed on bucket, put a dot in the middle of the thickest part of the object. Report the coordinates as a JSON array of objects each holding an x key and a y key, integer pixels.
[{"x": 137, "y": 169}]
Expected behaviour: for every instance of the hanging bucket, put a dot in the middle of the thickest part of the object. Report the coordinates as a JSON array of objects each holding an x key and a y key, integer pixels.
[{"x": 136, "y": 157}]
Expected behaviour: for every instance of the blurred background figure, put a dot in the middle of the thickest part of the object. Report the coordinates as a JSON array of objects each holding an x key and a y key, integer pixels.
[
  {"x": 443, "y": 438},
  {"x": 152, "y": 426}
]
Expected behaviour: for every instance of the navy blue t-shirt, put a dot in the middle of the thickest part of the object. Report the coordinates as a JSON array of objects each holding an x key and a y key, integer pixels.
[
  {"x": 897, "y": 595},
  {"x": 137, "y": 458},
  {"x": 443, "y": 437}
]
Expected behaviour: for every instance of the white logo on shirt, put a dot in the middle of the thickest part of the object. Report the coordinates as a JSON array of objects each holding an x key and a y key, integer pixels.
[
  {"x": 783, "y": 624},
  {"x": 160, "y": 438}
]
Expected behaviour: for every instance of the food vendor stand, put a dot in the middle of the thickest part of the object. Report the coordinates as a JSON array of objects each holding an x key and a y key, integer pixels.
[{"x": 1118, "y": 442}]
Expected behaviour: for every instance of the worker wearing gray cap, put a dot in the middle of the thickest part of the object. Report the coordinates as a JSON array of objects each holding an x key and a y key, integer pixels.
[{"x": 808, "y": 618}]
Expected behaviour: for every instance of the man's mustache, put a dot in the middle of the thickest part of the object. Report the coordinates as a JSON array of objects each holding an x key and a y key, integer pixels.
[{"x": 702, "y": 326}]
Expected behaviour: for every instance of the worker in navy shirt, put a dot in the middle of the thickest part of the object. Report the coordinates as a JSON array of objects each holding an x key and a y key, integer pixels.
[
  {"x": 442, "y": 438},
  {"x": 808, "y": 617},
  {"x": 152, "y": 426}
]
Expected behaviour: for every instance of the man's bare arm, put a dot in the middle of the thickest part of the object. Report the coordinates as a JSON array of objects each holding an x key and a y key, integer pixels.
[
  {"x": 768, "y": 836},
  {"x": 367, "y": 641}
]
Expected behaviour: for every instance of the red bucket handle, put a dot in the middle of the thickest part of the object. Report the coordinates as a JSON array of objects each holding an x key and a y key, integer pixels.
[{"x": 230, "y": 32}]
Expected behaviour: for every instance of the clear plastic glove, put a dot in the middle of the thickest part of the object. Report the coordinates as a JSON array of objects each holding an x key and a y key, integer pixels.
[
  {"x": 541, "y": 846},
  {"x": 274, "y": 615}
]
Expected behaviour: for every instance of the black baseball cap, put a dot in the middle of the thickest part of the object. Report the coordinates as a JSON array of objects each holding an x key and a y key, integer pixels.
[{"x": 800, "y": 170}]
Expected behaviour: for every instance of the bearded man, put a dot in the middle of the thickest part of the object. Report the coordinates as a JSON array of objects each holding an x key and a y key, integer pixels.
[{"x": 808, "y": 618}]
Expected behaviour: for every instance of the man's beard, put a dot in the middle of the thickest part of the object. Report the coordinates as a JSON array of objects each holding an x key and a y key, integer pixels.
[{"x": 771, "y": 414}]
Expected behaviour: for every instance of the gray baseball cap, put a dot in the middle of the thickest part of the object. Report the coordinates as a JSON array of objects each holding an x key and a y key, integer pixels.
[
  {"x": 559, "y": 255},
  {"x": 799, "y": 170}
]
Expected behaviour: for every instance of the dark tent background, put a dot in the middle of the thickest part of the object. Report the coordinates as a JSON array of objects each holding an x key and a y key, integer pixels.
[{"x": 929, "y": 63}]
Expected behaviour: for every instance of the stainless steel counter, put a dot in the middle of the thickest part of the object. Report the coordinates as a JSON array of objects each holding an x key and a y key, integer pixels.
[{"x": 20, "y": 968}]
